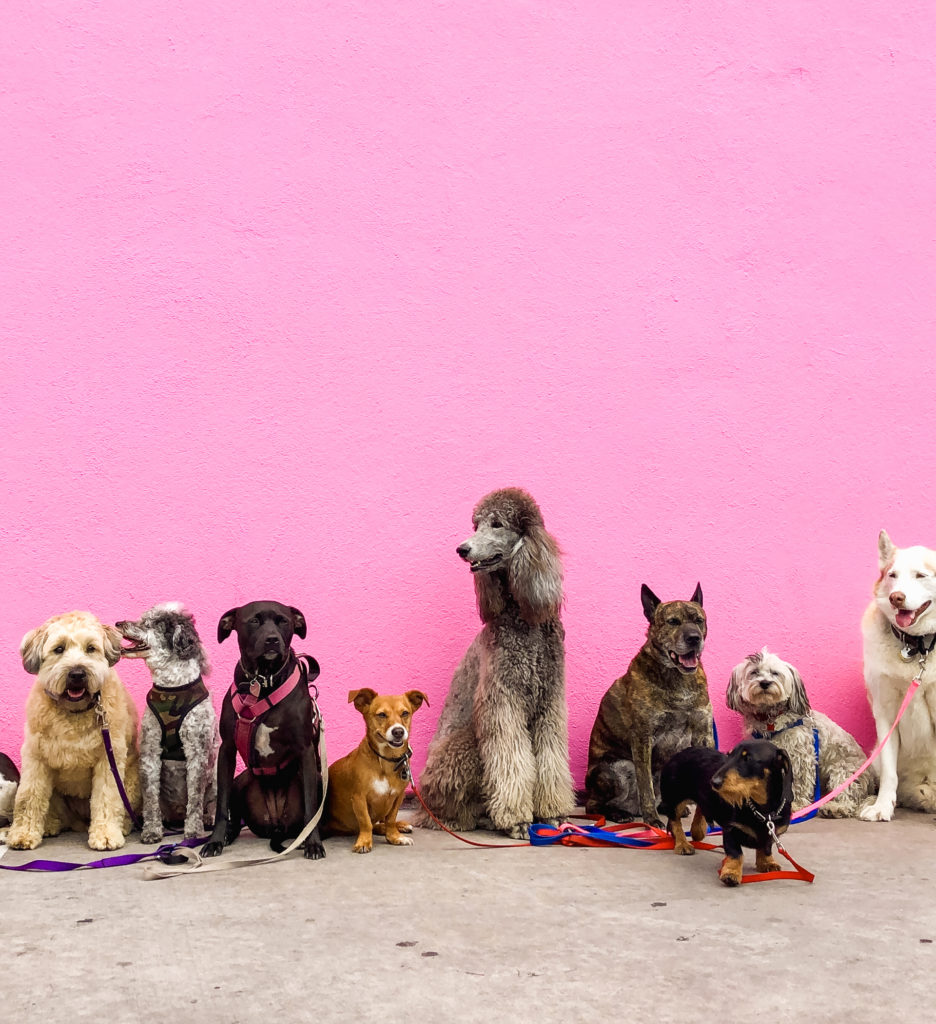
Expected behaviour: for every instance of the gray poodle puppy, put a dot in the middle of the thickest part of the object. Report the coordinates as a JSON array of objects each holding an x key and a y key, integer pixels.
[
  {"x": 500, "y": 756},
  {"x": 178, "y": 733},
  {"x": 769, "y": 693}
]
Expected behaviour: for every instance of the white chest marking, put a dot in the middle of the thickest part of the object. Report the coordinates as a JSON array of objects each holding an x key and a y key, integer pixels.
[
  {"x": 262, "y": 742},
  {"x": 380, "y": 787}
]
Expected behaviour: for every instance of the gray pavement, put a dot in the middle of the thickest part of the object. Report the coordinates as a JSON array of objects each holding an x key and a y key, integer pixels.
[{"x": 445, "y": 932}]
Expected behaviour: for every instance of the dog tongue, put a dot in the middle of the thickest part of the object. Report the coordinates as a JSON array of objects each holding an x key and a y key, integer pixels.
[
  {"x": 688, "y": 660},
  {"x": 905, "y": 618}
]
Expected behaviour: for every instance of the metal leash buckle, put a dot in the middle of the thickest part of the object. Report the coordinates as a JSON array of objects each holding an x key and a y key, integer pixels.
[{"x": 102, "y": 714}]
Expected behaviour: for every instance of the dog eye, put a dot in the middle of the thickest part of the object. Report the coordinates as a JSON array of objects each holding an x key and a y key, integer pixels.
[
  {"x": 59, "y": 650},
  {"x": 921, "y": 575},
  {"x": 496, "y": 524},
  {"x": 254, "y": 621},
  {"x": 672, "y": 622},
  {"x": 90, "y": 648},
  {"x": 744, "y": 753},
  {"x": 892, "y": 575},
  {"x": 404, "y": 714},
  {"x": 381, "y": 714}
]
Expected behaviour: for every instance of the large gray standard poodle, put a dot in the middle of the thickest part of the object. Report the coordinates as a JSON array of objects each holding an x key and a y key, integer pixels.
[{"x": 500, "y": 755}]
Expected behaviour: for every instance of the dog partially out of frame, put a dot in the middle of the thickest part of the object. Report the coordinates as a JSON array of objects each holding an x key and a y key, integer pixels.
[
  {"x": 9, "y": 780},
  {"x": 500, "y": 757},
  {"x": 178, "y": 732},
  {"x": 770, "y": 694},
  {"x": 746, "y": 792},
  {"x": 659, "y": 706},
  {"x": 899, "y": 629},
  {"x": 66, "y": 778},
  {"x": 367, "y": 786}
]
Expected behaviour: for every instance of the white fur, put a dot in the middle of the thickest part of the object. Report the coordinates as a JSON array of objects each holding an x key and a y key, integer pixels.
[
  {"x": 380, "y": 786},
  {"x": 908, "y": 761},
  {"x": 263, "y": 745}
]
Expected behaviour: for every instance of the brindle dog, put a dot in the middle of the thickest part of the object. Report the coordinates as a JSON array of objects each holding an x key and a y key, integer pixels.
[{"x": 659, "y": 706}]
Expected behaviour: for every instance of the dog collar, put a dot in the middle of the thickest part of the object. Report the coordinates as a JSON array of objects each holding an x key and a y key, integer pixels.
[
  {"x": 400, "y": 764},
  {"x": 258, "y": 682},
  {"x": 773, "y": 731},
  {"x": 95, "y": 697},
  {"x": 914, "y": 646}
]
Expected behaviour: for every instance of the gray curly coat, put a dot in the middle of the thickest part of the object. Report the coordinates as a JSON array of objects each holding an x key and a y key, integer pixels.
[{"x": 499, "y": 756}]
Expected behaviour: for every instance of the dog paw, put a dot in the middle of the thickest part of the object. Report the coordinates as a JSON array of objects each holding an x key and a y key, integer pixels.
[
  {"x": 105, "y": 837},
  {"x": 22, "y": 839},
  {"x": 362, "y": 847},
  {"x": 404, "y": 826},
  {"x": 652, "y": 821},
  {"x": 730, "y": 874},
  {"x": 837, "y": 809},
  {"x": 877, "y": 811},
  {"x": 399, "y": 840},
  {"x": 312, "y": 849},
  {"x": 684, "y": 849},
  {"x": 211, "y": 849},
  {"x": 519, "y": 831},
  {"x": 151, "y": 834}
]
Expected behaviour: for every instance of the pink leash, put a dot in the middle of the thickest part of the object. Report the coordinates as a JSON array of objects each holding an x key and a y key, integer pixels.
[{"x": 911, "y": 690}]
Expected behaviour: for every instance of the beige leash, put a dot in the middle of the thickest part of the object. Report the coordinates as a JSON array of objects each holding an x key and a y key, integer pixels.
[{"x": 199, "y": 865}]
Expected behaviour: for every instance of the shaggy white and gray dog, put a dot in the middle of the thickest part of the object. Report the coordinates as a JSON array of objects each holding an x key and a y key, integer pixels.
[
  {"x": 179, "y": 733},
  {"x": 770, "y": 694},
  {"x": 500, "y": 755}
]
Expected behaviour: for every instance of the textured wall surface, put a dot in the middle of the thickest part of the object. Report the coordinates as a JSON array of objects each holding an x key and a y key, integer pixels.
[{"x": 286, "y": 287}]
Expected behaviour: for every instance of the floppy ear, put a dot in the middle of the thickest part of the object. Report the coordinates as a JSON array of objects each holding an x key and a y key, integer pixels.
[
  {"x": 490, "y": 595},
  {"x": 697, "y": 595},
  {"x": 733, "y": 693},
  {"x": 31, "y": 650},
  {"x": 417, "y": 698},
  {"x": 535, "y": 576},
  {"x": 184, "y": 640},
  {"x": 112, "y": 638},
  {"x": 649, "y": 600},
  {"x": 226, "y": 624},
  {"x": 886, "y": 550},
  {"x": 299, "y": 623},
  {"x": 313, "y": 667},
  {"x": 362, "y": 699},
  {"x": 799, "y": 702}
]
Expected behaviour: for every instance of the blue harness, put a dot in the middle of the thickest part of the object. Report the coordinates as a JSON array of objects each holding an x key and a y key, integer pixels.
[{"x": 815, "y": 739}]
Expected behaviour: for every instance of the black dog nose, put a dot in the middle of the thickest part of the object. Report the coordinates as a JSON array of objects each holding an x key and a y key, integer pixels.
[
  {"x": 463, "y": 550},
  {"x": 765, "y": 684},
  {"x": 397, "y": 732},
  {"x": 271, "y": 641},
  {"x": 77, "y": 674}
]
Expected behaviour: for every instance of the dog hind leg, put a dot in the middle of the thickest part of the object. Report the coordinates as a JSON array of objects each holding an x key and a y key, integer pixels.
[{"x": 451, "y": 782}]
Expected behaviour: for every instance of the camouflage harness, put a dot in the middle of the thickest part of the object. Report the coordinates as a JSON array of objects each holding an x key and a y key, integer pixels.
[{"x": 170, "y": 708}]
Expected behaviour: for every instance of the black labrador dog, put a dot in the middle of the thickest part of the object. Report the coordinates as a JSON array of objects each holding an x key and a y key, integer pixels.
[{"x": 271, "y": 720}]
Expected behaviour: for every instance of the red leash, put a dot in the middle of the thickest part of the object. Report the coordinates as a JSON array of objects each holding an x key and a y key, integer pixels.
[{"x": 470, "y": 842}]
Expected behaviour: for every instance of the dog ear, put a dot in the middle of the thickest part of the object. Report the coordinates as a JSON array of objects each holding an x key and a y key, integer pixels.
[
  {"x": 362, "y": 699},
  {"x": 313, "y": 668},
  {"x": 535, "y": 576},
  {"x": 226, "y": 624},
  {"x": 184, "y": 640},
  {"x": 697, "y": 595},
  {"x": 112, "y": 638},
  {"x": 886, "y": 550},
  {"x": 417, "y": 698},
  {"x": 799, "y": 702},
  {"x": 299, "y": 623},
  {"x": 31, "y": 650},
  {"x": 649, "y": 600},
  {"x": 733, "y": 693}
]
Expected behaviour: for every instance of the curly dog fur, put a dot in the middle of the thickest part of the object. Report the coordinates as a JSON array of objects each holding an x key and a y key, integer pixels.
[
  {"x": 66, "y": 779},
  {"x": 770, "y": 694},
  {"x": 499, "y": 756}
]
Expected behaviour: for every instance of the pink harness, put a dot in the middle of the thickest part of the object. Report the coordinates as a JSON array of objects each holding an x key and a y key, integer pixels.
[{"x": 250, "y": 708}]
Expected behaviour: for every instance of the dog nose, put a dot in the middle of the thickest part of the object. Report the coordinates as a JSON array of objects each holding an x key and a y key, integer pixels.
[
  {"x": 397, "y": 732},
  {"x": 463, "y": 550},
  {"x": 717, "y": 780},
  {"x": 77, "y": 674},
  {"x": 897, "y": 599},
  {"x": 765, "y": 684},
  {"x": 271, "y": 641}
]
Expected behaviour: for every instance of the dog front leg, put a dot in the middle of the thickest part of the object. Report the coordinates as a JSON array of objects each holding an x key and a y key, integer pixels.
[
  {"x": 701, "y": 729},
  {"x": 312, "y": 799},
  {"x": 227, "y": 758},
  {"x": 882, "y": 809},
  {"x": 508, "y": 769},
  {"x": 151, "y": 777},
  {"x": 392, "y": 828},
  {"x": 31, "y": 806},
  {"x": 105, "y": 832},
  {"x": 764, "y": 860},
  {"x": 196, "y": 740},
  {"x": 553, "y": 798},
  {"x": 642, "y": 751},
  {"x": 732, "y": 866},
  {"x": 365, "y": 840}
]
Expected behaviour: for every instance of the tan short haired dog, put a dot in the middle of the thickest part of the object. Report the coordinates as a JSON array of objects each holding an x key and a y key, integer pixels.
[
  {"x": 66, "y": 780},
  {"x": 366, "y": 787}
]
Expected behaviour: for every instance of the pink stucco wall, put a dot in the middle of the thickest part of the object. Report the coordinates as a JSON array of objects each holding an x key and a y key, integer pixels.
[{"x": 286, "y": 287}]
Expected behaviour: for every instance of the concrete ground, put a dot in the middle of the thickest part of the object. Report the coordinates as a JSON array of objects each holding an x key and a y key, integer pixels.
[{"x": 445, "y": 932}]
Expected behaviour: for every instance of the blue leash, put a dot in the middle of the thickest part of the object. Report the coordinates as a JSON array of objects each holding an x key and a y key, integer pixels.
[{"x": 817, "y": 792}]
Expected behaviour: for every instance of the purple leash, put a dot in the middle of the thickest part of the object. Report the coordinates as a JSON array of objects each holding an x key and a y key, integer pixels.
[{"x": 108, "y": 747}]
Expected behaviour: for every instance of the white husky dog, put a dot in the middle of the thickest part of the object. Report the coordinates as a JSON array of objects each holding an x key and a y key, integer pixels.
[{"x": 899, "y": 630}]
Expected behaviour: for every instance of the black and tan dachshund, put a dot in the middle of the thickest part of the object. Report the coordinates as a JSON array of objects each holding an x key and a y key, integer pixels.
[{"x": 745, "y": 792}]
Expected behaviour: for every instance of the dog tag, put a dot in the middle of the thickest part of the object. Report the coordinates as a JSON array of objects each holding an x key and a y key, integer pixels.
[
  {"x": 906, "y": 653},
  {"x": 255, "y": 689}
]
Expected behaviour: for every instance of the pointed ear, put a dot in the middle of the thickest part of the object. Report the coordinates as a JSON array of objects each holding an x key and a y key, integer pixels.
[
  {"x": 226, "y": 624},
  {"x": 362, "y": 699},
  {"x": 112, "y": 638},
  {"x": 417, "y": 698},
  {"x": 697, "y": 595},
  {"x": 799, "y": 702},
  {"x": 649, "y": 600},
  {"x": 299, "y": 623},
  {"x": 31, "y": 650},
  {"x": 886, "y": 550}
]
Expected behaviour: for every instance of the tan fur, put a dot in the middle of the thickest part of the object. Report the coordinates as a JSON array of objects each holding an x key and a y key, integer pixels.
[
  {"x": 66, "y": 779},
  {"x": 735, "y": 789},
  {"x": 364, "y": 790},
  {"x": 731, "y": 870}
]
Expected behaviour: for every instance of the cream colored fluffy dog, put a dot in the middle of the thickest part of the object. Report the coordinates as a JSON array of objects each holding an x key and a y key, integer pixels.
[{"x": 66, "y": 779}]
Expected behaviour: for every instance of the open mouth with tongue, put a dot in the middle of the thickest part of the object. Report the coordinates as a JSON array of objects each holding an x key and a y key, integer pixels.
[
  {"x": 75, "y": 691},
  {"x": 907, "y": 616},
  {"x": 688, "y": 662}
]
